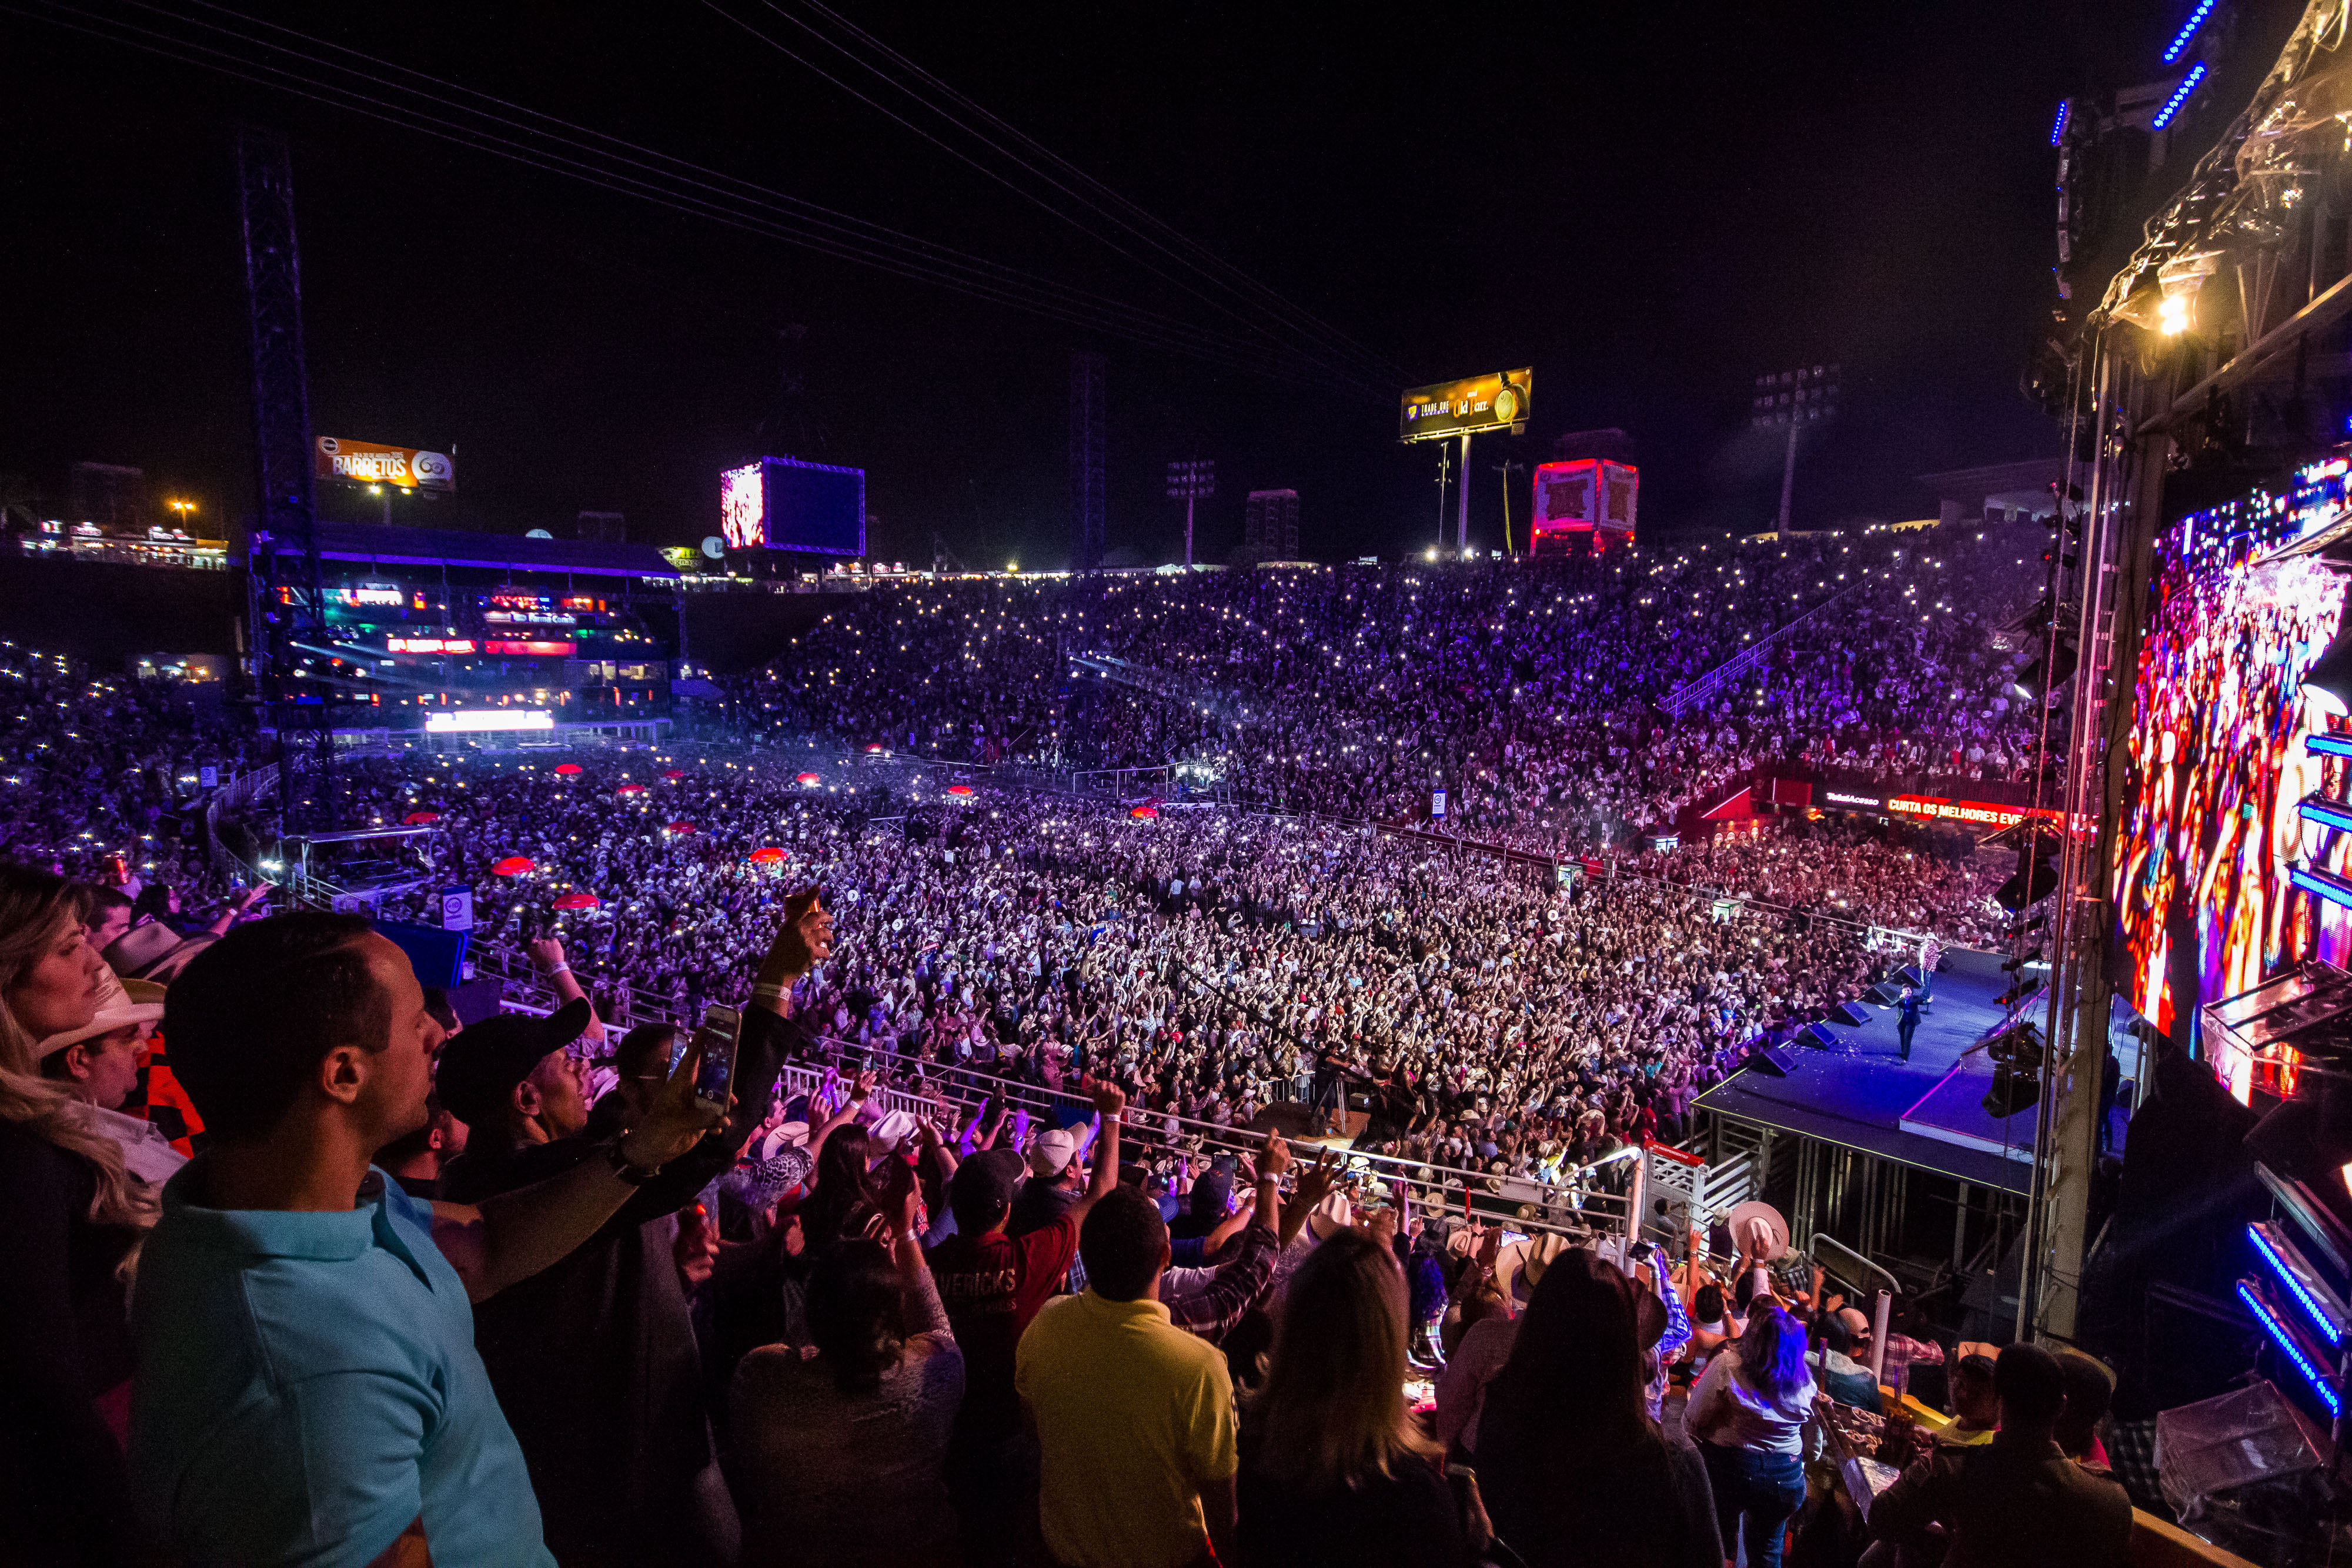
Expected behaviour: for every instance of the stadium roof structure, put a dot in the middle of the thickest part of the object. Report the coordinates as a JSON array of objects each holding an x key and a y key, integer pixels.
[{"x": 394, "y": 545}]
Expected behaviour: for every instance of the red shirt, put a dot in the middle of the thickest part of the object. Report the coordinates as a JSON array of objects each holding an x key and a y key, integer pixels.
[{"x": 993, "y": 1286}]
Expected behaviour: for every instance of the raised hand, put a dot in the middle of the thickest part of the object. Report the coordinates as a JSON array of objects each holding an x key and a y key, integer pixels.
[
  {"x": 676, "y": 1118},
  {"x": 806, "y": 939}
]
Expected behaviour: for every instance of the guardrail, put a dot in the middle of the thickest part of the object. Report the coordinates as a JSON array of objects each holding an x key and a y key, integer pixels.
[{"x": 1703, "y": 687}]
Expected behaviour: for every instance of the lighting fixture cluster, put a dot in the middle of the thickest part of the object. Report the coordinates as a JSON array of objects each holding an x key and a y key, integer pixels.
[
  {"x": 2180, "y": 95},
  {"x": 2297, "y": 1305},
  {"x": 2188, "y": 30}
]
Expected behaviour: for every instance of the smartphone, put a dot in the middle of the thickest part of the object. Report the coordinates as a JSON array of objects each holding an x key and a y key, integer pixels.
[{"x": 723, "y": 1028}]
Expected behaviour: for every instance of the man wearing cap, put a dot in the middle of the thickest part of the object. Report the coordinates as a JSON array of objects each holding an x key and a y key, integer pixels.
[
  {"x": 992, "y": 1283},
  {"x": 595, "y": 1359},
  {"x": 1052, "y": 1184},
  {"x": 98, "y": 1064}
]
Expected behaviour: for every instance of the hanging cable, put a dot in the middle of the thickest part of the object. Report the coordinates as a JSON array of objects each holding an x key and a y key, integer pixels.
[
  {"x": 1093, "y": 191},
  {"x": 674, "y": 183}
]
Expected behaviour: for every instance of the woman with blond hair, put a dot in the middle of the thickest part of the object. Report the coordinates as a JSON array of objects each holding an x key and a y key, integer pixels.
[
  {"x": 1333, "y": 1468},
  {"x": 70, "y": 1218}
]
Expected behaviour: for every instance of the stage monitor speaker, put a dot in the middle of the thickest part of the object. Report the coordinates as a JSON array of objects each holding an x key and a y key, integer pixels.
[
  {"x": 1886, "y": 993},
  {"x": 1818, "y": 1036},
  {"x": 2011, "y": 1092},
  {"x": 1850, "y": 1013},
  {"x": 1909, "y": 975},
  {"x": 1773, "y": 1060}
]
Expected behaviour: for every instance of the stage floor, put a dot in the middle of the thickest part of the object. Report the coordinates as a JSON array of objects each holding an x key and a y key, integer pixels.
[{"x": 1923, "y": 1112}]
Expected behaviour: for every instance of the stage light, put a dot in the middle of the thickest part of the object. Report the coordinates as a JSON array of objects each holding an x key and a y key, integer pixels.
[
  {"x": 2188, "y": 31},
  {"x": 2283, "y": 1335},
  {"x": 2329, "y": 814},
  {"x": 2320, "y": 1303},
  {"x": 2180, "y": 95}
]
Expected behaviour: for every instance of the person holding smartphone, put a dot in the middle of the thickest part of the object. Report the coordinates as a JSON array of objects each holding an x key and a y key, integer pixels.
[{"x": 594, "y": 1359}]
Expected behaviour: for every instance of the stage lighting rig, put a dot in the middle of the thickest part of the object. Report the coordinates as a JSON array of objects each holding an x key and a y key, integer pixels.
[{"x": 2017, "y": 1053}]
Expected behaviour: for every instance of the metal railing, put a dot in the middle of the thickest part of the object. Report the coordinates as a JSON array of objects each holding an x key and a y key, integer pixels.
[{"x": 1703, "y": 688}]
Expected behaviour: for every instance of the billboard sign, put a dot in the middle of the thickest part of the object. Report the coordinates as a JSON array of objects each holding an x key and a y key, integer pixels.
[
  {"x": 365, "y": 463},
  {"x": 1465, "y": 407},
  {"x": 785, "y": 504}
]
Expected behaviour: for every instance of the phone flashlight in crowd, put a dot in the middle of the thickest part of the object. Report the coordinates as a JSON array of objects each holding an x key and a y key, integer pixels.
[{"x": 723, "y": 1028}]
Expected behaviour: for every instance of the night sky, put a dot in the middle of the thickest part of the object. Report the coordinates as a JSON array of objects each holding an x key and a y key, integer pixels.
[{"x": 1651, "y": 204}]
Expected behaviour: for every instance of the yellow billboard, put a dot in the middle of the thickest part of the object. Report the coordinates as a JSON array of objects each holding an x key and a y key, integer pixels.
[
  {"x": 1465, "y": 407},
  {"x": 366, "y": 463}
]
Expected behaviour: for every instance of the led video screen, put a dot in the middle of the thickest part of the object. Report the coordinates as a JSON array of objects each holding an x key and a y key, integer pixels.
[
  {"x": 2218, "y": 763},
  {"x": 785, "y": 504}
]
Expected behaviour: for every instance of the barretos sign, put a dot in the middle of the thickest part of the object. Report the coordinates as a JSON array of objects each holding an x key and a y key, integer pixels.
[{"x": 365, "y": 462}]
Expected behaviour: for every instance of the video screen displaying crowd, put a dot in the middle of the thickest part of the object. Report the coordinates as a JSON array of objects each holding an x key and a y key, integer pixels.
[{"x": 589, "y": 1309}]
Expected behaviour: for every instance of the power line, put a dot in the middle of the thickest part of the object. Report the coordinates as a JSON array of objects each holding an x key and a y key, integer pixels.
[
  {"x": 1322, "y": 340},
  {"x": 788, "y": 219},
  {"x": 1209, "y": 263}
]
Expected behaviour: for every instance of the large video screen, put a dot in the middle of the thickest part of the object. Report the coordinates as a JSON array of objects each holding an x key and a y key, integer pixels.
[
  {"x": 2218, "y": 763},
  {"x": 785, "y": 504}
]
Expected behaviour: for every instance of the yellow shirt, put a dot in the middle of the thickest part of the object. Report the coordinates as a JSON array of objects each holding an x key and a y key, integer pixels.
[{"x": 1134, "y": 1416}]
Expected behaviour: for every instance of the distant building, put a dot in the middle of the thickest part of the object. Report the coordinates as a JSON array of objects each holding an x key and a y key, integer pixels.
[
  {"x": 604, "y": 528},
  {"x": 1270, "y": 524},
  {"x": 110, "y": 494},
  {"x": 1999, "y": 492}
]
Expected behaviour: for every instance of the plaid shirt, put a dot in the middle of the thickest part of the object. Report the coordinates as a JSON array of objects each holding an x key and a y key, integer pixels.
[{"x": 1212, "y": 1311}]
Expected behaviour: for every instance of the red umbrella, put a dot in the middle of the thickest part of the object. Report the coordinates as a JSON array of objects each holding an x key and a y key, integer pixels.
[
  {"x": 1145, "y": 812},
  {"x": 958, "y": 788},
  {"x": 809, "y": 779},
  {"x": 567, "y": 768},
  {"x": 675, "y": 773},
  {"x": 418, "y": 818},
  {"x": 769, "y": 855},
  {"x": 513, "y": 865},
  {"x": 576, "y": 901},
  {"x": 630, "y": 789},
  {"x": 680, "y": 827}
]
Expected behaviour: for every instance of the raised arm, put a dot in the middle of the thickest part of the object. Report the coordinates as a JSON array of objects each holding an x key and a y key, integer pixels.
[
  {"x": 1110, "y": 1104},
  {"x": 516, "y": 1234},
  {"x": 547, "y": 957}
]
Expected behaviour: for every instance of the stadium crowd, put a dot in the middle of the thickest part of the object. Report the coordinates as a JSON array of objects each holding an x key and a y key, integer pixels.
[
  {"x": 535, "y": 1289},
  {"x": 1527, "y": 691}
]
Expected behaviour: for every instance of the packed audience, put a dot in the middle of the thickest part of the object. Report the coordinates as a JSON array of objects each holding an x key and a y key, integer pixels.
[
  {"x": 1528, "y": 691},
  {"x": 534, "y": 1289}
]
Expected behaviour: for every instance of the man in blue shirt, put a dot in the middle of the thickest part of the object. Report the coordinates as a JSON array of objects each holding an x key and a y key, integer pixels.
[{"x": 308, "y": 1389}]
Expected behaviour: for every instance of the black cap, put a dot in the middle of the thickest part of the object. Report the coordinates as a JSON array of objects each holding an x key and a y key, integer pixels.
[
  {"x": 987, "y": 1180},
  {"x": 480, "y": 1067}
]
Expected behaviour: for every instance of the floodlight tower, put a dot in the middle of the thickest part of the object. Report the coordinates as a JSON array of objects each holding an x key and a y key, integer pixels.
[{"x": 1194, "y": 479}]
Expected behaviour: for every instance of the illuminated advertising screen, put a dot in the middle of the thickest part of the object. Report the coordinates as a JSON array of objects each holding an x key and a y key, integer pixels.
[
  {"x": 2218, "y": 763},
  {"x": 1465, "y": 407},
  {"x": 366, "y": 463},
  {"x": 1583, "y": 498},
  {"x": 479, "y": 720},
  {"x": 785, "y": 504}
]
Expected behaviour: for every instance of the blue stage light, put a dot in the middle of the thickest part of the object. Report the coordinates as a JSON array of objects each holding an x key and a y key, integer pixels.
[
  {"x": 2284, "y": 1336},
  {"x": 2181, "y": 95},
  {"x": 2188, "y": 31},
  {"x": 2058, "y": 126},
  {"x": 2329, "y": 744},
  {"x": 2331, "y": 813},
  {"x": 2321, "y": 884},
  {"x": 2319, "y": 1303}
]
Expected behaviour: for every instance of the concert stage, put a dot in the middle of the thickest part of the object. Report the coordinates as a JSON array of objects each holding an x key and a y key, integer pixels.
[{"x": 1861, "y": 1094}]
